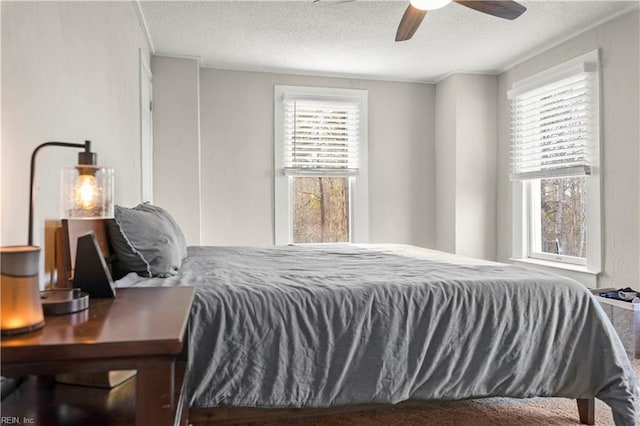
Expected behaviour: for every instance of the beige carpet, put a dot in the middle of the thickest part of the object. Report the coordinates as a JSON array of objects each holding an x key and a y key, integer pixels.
[{"x": 483, "y": 412}]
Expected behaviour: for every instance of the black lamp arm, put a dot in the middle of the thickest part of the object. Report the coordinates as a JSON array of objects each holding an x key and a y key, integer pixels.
[{"x": 87, "y": 150}]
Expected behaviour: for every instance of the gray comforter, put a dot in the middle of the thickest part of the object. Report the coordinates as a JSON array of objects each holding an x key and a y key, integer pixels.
[{"x": 322, "y": 326}]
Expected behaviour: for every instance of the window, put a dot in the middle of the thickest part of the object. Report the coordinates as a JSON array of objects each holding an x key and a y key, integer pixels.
[
  {"x": 320, "y": 165},
  {"x": 560, "y": 213},
  {"x": 555, "y": 166}
]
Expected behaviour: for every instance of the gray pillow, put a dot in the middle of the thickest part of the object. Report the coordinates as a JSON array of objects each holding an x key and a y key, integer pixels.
[{"x": 147, "y": 240}]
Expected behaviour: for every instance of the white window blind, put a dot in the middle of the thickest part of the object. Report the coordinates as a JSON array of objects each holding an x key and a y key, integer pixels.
[
  {"x": 554, "y": 127},
  {"x": 321, "y": 137}
]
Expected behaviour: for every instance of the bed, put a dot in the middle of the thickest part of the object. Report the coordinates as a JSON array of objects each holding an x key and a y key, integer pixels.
[{"x": 286, "y": 327}]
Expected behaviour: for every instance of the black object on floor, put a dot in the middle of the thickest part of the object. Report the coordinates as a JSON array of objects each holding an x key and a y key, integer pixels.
[{"x": 615, "y": 294}]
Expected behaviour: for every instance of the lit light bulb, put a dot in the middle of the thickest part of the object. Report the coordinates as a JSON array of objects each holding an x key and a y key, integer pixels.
[
  {"x": 429, "y": 4},
  {"x": 86, "y": 191}
]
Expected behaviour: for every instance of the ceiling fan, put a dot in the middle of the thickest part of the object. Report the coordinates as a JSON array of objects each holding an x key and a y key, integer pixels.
[{"x": 417, "y": 10}]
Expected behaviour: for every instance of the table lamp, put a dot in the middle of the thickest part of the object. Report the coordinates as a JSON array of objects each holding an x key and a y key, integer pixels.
[{"x": 87, "y": 192}]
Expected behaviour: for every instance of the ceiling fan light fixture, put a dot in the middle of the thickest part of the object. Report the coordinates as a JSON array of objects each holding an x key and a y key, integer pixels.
[{"x": 429, "y": 4}]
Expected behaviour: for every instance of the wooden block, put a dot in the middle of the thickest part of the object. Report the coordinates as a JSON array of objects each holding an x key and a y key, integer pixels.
[{"x": 107, "y": 379}]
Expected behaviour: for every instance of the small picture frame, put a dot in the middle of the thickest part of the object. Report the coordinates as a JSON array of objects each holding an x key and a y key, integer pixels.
[{"x": 91, "y": 274}]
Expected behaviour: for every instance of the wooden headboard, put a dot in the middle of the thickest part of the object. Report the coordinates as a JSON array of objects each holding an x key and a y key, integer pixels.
[{"x": 70, "y": 230}]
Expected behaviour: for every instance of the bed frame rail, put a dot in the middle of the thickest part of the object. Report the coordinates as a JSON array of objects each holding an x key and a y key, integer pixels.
[{"x": 243, "y": 415}]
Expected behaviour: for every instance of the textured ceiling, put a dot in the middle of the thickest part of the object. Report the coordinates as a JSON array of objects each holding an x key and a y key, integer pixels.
[{"x": 356, "y": 39}]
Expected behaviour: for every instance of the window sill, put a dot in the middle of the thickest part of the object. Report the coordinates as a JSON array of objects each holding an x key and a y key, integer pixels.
[{"x": 582, "y": 274}]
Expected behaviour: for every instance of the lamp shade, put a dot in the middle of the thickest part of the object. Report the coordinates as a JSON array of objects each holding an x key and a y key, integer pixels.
[
  {"x": 19, "y": 287},
  {"x": 87, "y": 192}
]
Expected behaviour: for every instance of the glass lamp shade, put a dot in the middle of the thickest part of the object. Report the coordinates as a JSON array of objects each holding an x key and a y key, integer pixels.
[
  {"x": 87, "y": 192},
  {"x": 19, "y": 287}
]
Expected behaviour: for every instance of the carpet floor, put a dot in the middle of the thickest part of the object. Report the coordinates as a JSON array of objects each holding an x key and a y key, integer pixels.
[{"x": 476, "y": 412}]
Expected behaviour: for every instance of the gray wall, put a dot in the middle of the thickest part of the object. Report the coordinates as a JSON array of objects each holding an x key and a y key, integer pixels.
[
  {"x": 70, "y": 72},
  {"x": 237, "y": 157},
  {"x": 466, "y": 139},
  {"x": 476, "y": 170},
  {"x": 445, "y": 167},
  {"x": 176, "y": 153},
  {"x": 618, "y": 41}
]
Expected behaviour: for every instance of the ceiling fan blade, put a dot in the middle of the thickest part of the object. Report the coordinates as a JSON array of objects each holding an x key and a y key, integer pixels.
[
  {"x": 409, "y": 23},
  {"x": 502, "y": 9}
]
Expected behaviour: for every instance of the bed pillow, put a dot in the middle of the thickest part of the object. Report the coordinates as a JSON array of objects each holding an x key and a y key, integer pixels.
[{"x": 147, "y": 240}]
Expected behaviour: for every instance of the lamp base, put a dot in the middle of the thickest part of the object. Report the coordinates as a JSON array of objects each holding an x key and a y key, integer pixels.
[
  {"x": 22, "y": 330},
  {"x": 61, "y": 302}
]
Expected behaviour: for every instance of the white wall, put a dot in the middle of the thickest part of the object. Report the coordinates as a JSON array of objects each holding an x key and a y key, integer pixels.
[
  {"x": 466, "y": 141},
  {"x": 176, "y": 153},
  {"x": 237, "y": 157},
  {"x": 445, "y": 166},
  {"x": 70, "y": 72},
  {"x": 618, "y": 41},
  {"x": 476, "y": 169}
]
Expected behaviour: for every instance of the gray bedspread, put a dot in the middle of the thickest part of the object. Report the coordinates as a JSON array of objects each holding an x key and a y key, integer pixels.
[{"x": 323, "y": 326}]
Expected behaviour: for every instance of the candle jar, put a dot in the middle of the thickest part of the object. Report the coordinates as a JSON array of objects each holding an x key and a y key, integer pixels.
[{"x": 19, "y": 290}]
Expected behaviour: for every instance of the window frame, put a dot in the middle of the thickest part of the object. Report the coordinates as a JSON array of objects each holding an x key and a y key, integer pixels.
[
  {"x": 534, "y": 211},
  {"x": 358, "y": 184},
  {"x": 586, "y": 269}
]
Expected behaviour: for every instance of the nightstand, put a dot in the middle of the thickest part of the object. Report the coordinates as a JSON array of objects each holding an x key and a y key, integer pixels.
[{"x": 143, "y": 329}]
